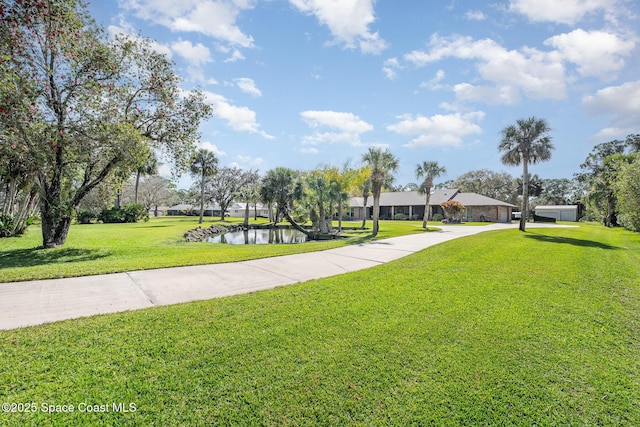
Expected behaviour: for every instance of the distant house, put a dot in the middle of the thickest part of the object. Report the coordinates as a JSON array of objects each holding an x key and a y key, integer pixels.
[
  {"x": 237, "y": 210},
  {"x": 411, "y": 205},
  {"x": 234, "y": 210},
  {"x": 558, "y": 212}
]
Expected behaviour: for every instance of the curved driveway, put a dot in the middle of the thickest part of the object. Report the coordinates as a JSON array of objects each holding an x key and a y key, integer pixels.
[{"x": 42, "y": 301}]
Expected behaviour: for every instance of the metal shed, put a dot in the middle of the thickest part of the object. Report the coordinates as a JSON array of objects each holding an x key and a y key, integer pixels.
[{"x": 558, "y": 212}]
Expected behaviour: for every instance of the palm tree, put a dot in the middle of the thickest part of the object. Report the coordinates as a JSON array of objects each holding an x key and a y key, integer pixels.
[
  {"x": 430, "y": 171},
  {"x": 204, "y": 164},
  {"x": 382, "y": 164},
  {"x": 362, "y": 187},
  {"x": 148, "y": 167},
  {"x": 283, "y": 187},
  {"x": 526, "y": 143}
]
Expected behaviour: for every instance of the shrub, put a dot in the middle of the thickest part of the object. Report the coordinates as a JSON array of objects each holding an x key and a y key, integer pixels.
[
  {"x": 399, "y": 216},
  {"x": 437, "y": 217},
  {"x": 85, "y": 216},
  {"x": 6, "y": 226},
  {"x": 452, "y": 208},
  {"x": 126, "y": 213}
]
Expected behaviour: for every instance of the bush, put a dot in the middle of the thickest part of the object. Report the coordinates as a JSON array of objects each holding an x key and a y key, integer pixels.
[
  {"x": 437, "y": 217},
  {"x": 399, "y": 216},
  {"x": 6, "y": 226},
  {"x": 85, "y": 216},
  {"x": 126, "y": 213}
]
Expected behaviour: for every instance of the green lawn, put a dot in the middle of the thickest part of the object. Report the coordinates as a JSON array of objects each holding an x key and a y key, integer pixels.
[
  {"x": 501, "y": 328},
  {"x": 110, "y": 248}
]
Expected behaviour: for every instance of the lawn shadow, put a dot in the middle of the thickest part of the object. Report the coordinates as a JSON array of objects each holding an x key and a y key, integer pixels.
[
  {"x": 38, "y": 256},
  {"x": 571, "y": 241}
]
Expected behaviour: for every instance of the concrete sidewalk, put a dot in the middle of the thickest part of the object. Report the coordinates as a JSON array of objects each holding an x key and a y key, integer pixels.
[{"x": 42, "y": 301}]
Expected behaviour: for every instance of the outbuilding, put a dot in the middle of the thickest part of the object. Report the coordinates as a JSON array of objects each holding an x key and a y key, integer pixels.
[{"x": 558, "y": 212}]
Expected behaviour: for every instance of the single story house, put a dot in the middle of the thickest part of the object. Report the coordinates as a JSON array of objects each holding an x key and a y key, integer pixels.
[
  {"x": 234, "y": 210},
  {"x": 558, "y": 212},
  {"x": 411, "y": 205}
]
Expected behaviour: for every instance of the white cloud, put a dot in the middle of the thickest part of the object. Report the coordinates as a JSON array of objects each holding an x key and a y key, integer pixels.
[
  {"x": 475, "y": 15},
  {"x": 434, "y": 83},
  {"x": 347, "y": 126},
  {"x": 213, "y": 148},
  {"x": 438, "y": 130},
  {"x": 621, "y": 103},
  {"x": 345, "y": 122},
  {"x": 241, "y": 119},
  {"x": 348, "y": 21},
  {"x": 308, "y": 150},
  {"x": 511, "y": 73},
  {"x": 596, "y": 53},
  {"x": 235, "y": 56},
  {"x": 248, "y": 86},
  {"x": 196, "y": 55},
  {"x": 215, "y": 18},
  {"x": 609, "y": 134},
  {"x": 390, "y": 67},
  {"x": 250, "y": 161},
  {"x": 126, "y": 29},
  {"x": 563, "y": 12}
]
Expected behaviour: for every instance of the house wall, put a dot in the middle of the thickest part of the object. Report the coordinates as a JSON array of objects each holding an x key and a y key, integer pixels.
[
  {"x": 489, "y": 213},
  {"x": 477, "y": 213},
  {"x": 559, "y": 214}
]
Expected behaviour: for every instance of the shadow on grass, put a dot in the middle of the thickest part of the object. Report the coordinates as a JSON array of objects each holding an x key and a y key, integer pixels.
[
  {"x": 571, "y": 241},
  {"x": 38, "y": 256}
]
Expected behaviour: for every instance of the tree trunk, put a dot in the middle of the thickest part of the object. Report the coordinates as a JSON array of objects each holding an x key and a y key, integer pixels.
[
  {"x": 364, "y": 211},
  {"x": 54, "y": 233},
  {"x": 322, "y": 220},
  {"x": 425, "y": 217},
  {"x": 611, "y": 220},
  {"x": 246, "y": 216},
  {"x": 340, "y": 218},
  {"x": 525, "y": 194},
  {"x": 376, "y": 214},
  {"x": 295, "y": 224},
  {"x": 201, "y": 199},
  {"x": 135, "y": 199}
]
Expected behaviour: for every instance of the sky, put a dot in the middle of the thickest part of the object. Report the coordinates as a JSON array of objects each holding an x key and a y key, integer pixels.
[{"x": 303, "y": 83}]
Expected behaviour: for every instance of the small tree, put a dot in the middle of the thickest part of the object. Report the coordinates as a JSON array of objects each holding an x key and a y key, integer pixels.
[{"x": 452, "y": 208}]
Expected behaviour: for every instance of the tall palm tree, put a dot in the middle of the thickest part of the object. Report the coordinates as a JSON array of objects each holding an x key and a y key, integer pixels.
[
  {"x": 382, "y": 164},
  {"x": 203, "y": 165},
  {"x": 430, "y": 171},
  {"x": 527, "y": 143},
  {"x": 148, "y": 167}
]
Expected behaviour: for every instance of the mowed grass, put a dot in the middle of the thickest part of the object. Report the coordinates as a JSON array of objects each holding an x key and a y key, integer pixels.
[
  {"x": 501, "y": 328},
  {"x": 110, "y": 248}
]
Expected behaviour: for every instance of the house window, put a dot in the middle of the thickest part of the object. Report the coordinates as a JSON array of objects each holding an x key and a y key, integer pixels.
[{"x": 468, "y": 214}]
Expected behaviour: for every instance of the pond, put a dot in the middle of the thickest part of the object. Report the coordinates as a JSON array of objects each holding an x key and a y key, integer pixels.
[{"x": 260, "y": 237}]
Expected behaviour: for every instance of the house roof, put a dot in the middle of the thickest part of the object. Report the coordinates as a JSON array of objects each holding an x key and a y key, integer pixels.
[
  {"x": 557, "y": 207},
  {"x": 473, "y": 199},
  {"x": 406, "y": 198},
  {"x": 413, "y": 198}
]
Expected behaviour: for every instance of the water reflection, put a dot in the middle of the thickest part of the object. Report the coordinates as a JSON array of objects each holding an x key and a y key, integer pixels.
[{"x": 260, "y": 237}]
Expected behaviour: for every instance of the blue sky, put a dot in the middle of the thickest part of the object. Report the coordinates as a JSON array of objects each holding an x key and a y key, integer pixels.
[{"x": 299, "y": 83}]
